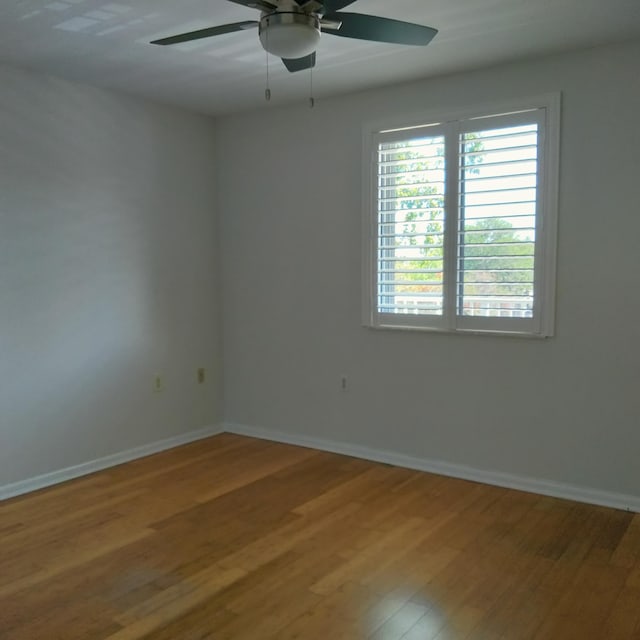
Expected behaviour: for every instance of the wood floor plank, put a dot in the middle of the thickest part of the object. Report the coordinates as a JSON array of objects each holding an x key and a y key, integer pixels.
[
  {"x": 234, "y": 538},
  {"x": 70, "y": 557},
  {"x": 179, "y": 598},
  {"x": 627, "y": 553}
]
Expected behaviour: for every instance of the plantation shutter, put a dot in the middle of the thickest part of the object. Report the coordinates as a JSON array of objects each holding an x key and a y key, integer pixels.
[
  {"x": 499, "y": 259},
  {"x": 497, "y": 222},
  {"x": 411, "y": 217},
  {"x": 458, "y": 236}
]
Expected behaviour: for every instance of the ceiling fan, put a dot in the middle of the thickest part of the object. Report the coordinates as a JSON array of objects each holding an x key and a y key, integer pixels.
[{"x": 291, "y": 29}]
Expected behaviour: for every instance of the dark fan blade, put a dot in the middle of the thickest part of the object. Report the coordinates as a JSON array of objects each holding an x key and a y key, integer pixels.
[
  {"x": 208, "y": 33},
  {"x": 335, "y": 5},
  {"x": 300, "y": 64},
  {"x": 261, "y": 5},
  {"x": 363, "y": 27}
]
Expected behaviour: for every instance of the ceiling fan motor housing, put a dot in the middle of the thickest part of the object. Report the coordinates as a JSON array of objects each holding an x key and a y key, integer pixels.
[{"x": 289, "y": 34}]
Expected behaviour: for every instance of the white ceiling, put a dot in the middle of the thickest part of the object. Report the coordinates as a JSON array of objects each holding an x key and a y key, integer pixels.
[{"x": 105, "y": 43}]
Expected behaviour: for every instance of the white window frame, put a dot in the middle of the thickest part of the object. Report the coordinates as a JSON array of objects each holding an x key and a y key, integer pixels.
[{"x": 545, "y": 111}]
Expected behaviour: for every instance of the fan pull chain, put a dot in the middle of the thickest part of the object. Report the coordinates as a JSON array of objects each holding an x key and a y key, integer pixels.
[
  {"x": 267, "y": 91},
  {"x": 312, "y": 100}
]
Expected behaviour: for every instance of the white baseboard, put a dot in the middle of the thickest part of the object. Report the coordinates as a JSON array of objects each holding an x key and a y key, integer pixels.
[
  {"x": 510, "y": 481},
  {"x": 56, "y": 477},
  {"x": 507, "y": 480}
]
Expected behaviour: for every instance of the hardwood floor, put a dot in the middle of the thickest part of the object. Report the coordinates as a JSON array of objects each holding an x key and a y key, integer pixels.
[{"x": 233, "y": 538}]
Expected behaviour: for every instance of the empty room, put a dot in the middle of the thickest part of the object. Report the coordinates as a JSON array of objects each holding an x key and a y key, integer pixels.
[{"x": 319, "y": 320}]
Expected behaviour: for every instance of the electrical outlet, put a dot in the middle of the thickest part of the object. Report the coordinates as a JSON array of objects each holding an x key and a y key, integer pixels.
[
  {"x": 158, "y": 383},
  {"x": 202, "y": 375}
]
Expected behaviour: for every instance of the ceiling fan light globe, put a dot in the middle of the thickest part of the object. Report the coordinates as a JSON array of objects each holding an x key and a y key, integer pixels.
[{"x": 289, "y": 35}]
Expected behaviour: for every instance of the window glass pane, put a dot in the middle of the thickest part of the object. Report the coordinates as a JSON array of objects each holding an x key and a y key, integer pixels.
[
  {"x": 497, "y": 222},
  {"x": 411, "y": 216}
]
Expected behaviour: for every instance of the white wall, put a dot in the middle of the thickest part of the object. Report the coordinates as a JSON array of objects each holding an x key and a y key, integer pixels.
[
  {"x": 108, "y": 274},
  {"x": 565, "y": 409}
]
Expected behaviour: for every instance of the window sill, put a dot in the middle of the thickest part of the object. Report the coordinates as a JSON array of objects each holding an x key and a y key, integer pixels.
[{"x": 460, "y": 332}]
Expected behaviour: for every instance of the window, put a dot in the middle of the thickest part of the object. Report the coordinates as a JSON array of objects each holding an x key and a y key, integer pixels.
[{"x": 460, "y": 222}]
